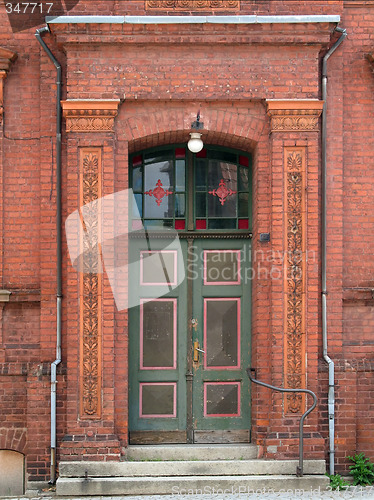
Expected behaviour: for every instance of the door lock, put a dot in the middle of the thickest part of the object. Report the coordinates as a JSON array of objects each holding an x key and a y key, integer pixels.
[
  {"x": 194, "y": 323},
  {"x": 196, "y": 351}
]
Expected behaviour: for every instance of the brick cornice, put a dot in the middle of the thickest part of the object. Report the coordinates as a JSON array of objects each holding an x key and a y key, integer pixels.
[
  {"x": 294, "y": 115},
  {"x": 90, "y": 115},
  {"x": 7, "y": 57}
]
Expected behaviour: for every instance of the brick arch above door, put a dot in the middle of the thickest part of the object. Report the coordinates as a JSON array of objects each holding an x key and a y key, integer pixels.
[{"x": 146, "y": 125}]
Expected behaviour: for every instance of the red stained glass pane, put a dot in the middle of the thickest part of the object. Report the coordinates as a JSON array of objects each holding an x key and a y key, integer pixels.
[
  {"x": 201, "y": 154},
  {"x": 180, "y": 153},
  {"x": 136, "y": 161},
  {"x": 243, "y": 224},
  {"x": 180, "y": 224},
  {"x": 200, "y": 224},
  {"x": 243, "y": 160}
]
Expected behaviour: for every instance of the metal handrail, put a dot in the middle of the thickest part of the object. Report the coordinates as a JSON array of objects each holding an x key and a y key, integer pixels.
[{"x": 300, "y": 467}]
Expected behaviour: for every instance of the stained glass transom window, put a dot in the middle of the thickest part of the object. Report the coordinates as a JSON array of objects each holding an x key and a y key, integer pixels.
[{"x": 207, "y": 191}]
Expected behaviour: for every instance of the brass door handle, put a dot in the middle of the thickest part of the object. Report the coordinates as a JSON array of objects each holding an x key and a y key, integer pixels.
[{"x": 196, "y": 350}]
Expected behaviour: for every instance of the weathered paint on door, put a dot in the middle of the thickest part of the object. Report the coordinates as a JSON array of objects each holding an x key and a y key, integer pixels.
[
  {"x": 190, "y": 343},
  {"x": 221, "y": 309}
]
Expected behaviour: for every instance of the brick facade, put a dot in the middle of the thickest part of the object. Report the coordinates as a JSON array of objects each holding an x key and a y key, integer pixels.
[{"x": 258, "y": 87}]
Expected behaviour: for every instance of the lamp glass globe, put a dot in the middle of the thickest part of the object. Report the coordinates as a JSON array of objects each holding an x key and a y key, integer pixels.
[{"x": 195, "y": 144}]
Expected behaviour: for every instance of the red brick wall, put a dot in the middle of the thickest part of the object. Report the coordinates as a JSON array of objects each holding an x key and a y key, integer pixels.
[
  {"x": 350, "y": 246},
  {"x": 178, "y": 75},
  {"x": 13, "y": 412},
  {"x": 27, "y": 269},
  {"x": 21, "y": 332}
]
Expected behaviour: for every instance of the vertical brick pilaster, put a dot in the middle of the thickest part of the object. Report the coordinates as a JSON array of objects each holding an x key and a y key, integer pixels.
[
  {"x": 6, "y": 58},
  {"x": 261, "y": 291},
  {"x": 121, "y": 330},
  {"x": 90, "y": 346},
  {"x": 295, "y": 212}
]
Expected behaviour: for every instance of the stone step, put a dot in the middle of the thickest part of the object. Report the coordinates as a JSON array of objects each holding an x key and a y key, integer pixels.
[
  {"x": 188, "y": 468},
  {"x": 192, "y": 485},
  {"x": 192, "y": 452}
]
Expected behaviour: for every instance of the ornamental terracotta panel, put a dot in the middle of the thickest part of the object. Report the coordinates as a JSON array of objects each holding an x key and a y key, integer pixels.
[
  {"x": 294, "y": 272},
  {"x": 90, "y": 296},
  {"x": 192, "y": 4},
  {"x": 90, "y": 116}
]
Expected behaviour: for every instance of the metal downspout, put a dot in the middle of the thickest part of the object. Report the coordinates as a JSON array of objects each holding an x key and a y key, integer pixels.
[
  {"x": 331, "y": 393},
  {"x": 57, "y": 361}
]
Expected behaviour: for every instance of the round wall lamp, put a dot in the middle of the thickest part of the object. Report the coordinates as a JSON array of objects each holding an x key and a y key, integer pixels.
[{"x": 195, "y": 144}]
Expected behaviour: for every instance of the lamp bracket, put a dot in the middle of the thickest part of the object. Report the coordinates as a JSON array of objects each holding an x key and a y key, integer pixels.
[{"x": 197, "y": 125}]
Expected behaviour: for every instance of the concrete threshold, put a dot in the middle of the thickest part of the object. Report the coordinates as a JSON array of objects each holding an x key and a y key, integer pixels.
[
  {"x": 188, "y": 468},
  {"x": 194, "y": 484},
  {"x": 192, "y": 452}
]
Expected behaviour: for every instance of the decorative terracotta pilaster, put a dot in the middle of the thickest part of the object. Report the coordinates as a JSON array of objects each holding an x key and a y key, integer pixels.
[
  {"x": 291, "y": 122},
  {"x": 87, "y": 116},
  {"x": 294, "y": 272},
  {"x": 91, "y": 406},
  {"x": 90, "y": 116},
  {"x": 90, "y": 293}
]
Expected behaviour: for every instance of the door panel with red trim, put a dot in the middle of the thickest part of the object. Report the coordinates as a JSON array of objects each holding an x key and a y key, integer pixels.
[{"x": 221, "y": 307}]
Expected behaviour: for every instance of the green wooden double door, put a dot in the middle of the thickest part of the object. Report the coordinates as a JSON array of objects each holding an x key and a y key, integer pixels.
[{"x": 189, "y": 347}]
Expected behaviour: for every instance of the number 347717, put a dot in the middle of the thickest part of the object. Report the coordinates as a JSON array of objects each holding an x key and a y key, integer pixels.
[{"x": 28, "y": 7}]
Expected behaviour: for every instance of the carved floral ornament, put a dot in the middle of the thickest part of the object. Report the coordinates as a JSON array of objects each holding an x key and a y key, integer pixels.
[
  {"x": 294, "y": 277},
  {"x": 298, "y": 115},
  {"x": 90, "y": 296},
  {"x": 192, "y": 4},
  {"x": 90, "y": 116}
]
